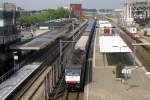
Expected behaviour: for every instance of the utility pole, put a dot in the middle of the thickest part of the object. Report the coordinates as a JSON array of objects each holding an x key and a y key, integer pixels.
[
  {"x": 50, "y": 22},
  {"x": 148, "y": 4},
  {"x": 134, "y": 50},
  {"x": 70, "y": 9},
  {"x": 61, "y": 48},
  {"x": 15, "y": 59}
]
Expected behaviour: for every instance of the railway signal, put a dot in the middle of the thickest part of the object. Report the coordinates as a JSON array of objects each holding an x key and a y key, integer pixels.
[{"x": 15, "y": 59}]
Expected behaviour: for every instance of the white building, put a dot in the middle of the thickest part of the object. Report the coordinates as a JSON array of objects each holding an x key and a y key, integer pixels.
[
  {"x": 132, "y": 11},
  {"x": 127, "y": 15}
]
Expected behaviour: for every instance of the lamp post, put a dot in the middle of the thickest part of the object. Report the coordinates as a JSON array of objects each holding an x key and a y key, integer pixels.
[
  {"x": 72, "y": 30},
  {"x": 70, "y": 10},
  {"x": 50, "y": 23},
  {"x": 15, "y": 59},
  {"x": 134, "y": 50}
]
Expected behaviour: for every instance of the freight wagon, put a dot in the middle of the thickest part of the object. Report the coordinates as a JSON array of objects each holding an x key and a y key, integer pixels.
[{"x": 76, "y": 69}]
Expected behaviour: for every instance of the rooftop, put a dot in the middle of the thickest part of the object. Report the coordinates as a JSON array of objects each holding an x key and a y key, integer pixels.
[{"x": 113, "y": 44}]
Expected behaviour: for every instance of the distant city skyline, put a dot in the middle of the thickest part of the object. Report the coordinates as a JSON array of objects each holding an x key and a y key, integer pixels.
[{"x": 46, "y": 4}]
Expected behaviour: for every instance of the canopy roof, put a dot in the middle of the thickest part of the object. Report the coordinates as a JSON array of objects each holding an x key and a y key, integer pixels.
[
  {"x": 104, "y": 23},
  {"x": 112, "y": 44}
]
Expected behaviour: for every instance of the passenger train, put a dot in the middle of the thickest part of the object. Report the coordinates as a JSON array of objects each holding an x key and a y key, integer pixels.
[{"x": 76, "y": 69}]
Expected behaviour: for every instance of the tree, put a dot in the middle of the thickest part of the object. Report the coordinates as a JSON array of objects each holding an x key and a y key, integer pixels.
[
  {"x": 51, "y": 13},
  {"x": 119, "y": 68}
]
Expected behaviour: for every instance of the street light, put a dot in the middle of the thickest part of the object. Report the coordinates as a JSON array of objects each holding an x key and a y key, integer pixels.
[
  {"x": 70, "y": 10},
  {"x": 72, "y": 24},
  {"x": 134, "y": 50},
  {"x": 50, "y": 19},
  {"x": 15, "y": 59}
]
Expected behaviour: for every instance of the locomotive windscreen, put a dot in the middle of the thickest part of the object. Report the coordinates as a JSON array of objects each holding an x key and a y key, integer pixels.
[{"x": 72, "y": 72}]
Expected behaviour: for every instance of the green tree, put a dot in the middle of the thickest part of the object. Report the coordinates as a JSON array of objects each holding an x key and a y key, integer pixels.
[
  {"x": 119, "y": 68},
  {"x": 51, "y": 13}
]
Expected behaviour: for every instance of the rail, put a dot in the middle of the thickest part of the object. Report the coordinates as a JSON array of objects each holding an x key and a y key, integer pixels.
[
  {"x": 19, "y": 65},
  {"x": 73, "y": 96},
  {"x": 45, "y": 57},
  {"x": 56, "y": 94},
  {"x": 44, "y": 60},
  {"x": 41, "y": 58},
  {"x": 142, "y": 53}
]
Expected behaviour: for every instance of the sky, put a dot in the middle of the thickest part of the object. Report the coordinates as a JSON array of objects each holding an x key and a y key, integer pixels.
[{"x": 45, "y": 4}]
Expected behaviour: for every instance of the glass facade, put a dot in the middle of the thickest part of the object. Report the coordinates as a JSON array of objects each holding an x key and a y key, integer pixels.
[
  {"x": 8, "y": 17},
  {"x": 1, "y": 3},
  {"x": 1, "y": 14}
]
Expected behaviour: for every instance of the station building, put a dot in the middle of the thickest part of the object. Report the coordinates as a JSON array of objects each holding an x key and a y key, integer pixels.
[
  {"x": 148, "y": 4},
  {"x": 76, "y": 9},
  {"x": 9, "y": 19},
  {"x": 9, "y": 34},
  {"x": 135, "y": 12}
]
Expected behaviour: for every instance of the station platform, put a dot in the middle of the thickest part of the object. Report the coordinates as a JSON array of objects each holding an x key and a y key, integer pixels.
[
  {"x": 104, "y": 86},
  {"x": 10, "y": 85},
  {"x": 42, "y": 40},
  {"x": 27, "y": 34}
]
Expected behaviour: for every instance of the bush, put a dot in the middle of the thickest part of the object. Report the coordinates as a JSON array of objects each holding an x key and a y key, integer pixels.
[{"x": 119, "y": 68}]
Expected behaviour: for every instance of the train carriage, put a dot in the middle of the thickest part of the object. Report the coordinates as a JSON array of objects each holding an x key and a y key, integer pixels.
[{"x": 76, "y": 69}]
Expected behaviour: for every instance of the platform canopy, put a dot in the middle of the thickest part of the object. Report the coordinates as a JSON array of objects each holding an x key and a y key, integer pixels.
[
  {"x": 104, "y": 23},
  {"x": 113, "y": 44},
  {"x": 36, "y": 44},
  {"x": 43, "y": 40}
]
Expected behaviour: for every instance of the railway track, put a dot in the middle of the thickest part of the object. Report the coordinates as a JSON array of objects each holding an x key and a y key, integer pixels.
[
  {"x": 141, "y": 52},
  {"x": 61, "y": 93},
  {"x": 42, "y": 59},
  {"x": 64, "y": 94},
  {"x": 73, "y": 96}
]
